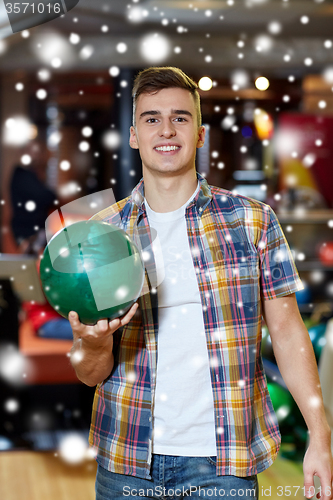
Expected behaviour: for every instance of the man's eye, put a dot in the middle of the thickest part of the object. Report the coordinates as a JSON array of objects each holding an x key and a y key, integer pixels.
[
  {"x": 180, "y": 119},
  {"x": 151, "y": 120}
]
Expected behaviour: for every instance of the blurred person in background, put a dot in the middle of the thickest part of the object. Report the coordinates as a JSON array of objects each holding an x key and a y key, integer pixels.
[
  {"x": 31, "y": 199},
  {"x": 32, "y": 202},
  {"x": 46, "y": 322}
]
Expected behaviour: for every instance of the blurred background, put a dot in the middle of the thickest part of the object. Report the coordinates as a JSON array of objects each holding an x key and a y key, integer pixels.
[{"x": 265, "y": 71}]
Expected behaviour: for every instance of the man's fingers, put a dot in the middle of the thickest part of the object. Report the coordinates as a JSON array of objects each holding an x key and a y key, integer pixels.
[
  {"x": 115, "y": 324},
  {"x": 73, "y": 318},
  {"x": 325, "y": 492},
  {"x": 309, "y": 485},
  {"x": 129, "y": 315},
  {"x": 102, "y": 325},
  {"x": 326, "y": 488}
]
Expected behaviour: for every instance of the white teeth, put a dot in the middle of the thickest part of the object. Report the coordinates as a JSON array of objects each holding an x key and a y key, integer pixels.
[{"x": 167, "y": 148}]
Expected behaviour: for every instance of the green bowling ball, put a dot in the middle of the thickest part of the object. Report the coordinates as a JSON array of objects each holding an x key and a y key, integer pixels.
[
  {"x": 316, "y": 332},
  {"x": 279, "y": 395},
  {"x": 282, "y": 401},
  {"x": 319, "y": 340},
  {"x": 317, "y": 336},
  {"x": 266, "y": 345},
  {"x": 291, "y": 422},
  {"x": 93, "y": 268}
]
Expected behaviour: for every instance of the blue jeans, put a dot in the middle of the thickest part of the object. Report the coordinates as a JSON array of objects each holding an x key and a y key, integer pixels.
[
  {"x": 176, "y": 477},
  {"x": 56, "y": 329}
]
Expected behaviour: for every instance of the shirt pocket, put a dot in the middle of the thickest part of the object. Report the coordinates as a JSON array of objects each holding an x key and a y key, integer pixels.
[{"x": 238, "y": 277}]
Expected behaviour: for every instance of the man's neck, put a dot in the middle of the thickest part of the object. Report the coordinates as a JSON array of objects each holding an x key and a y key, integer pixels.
[{"x": 166, "y": 194}]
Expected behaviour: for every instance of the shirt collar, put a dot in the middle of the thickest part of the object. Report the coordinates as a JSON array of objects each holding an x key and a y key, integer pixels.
[{"x": 201, "y": 200}]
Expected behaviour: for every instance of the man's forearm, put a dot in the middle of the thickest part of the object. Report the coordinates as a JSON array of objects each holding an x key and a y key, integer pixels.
[
  {"x": 92, "y": 366},
  {"x": 92, "y": 351},
  {"x": 297, "y": 364}
]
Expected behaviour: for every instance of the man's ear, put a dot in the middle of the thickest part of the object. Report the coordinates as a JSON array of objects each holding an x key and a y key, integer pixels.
[
  {"x": 201, "y": 136},
  {"x": 133, "y": 142}
]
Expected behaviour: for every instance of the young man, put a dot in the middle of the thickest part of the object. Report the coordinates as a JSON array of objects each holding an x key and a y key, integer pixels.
[{"x": 181, "y": 405}]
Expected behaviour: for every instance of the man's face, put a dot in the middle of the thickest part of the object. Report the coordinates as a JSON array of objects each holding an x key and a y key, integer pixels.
[{"x": 167, "y": 132}]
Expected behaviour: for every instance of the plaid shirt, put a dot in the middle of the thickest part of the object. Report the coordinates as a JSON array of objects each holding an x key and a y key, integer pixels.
[{"x": 241, "y": 256}]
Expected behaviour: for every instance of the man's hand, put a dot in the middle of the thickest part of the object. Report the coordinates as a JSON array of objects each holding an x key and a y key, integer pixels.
[
  {"x": 296, "y": 360},
  {"x": 318, "y": 462},
  {"x": 96, "y": 336},
  {"x": 91, "y": 354}
]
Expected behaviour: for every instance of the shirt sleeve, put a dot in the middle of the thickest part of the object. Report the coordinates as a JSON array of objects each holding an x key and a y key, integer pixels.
[{"x": 278, "y": 272}]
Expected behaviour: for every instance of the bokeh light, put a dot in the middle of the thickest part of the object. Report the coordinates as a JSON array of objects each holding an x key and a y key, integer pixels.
[
  {"x": 26, "y": 159},
  {"x": 84, "y": 146},
  {"x": 69, "y": 188},
  {"x": 137, "y": 14},
  {"x": 14, "y": 367},
  {"x": 205, "y": 83},
  {"x": 41, "y": 94},
  {"x": 262, "y": 83},
  {"x": 11, "y": 405},
  {"x": 228, "y": 121},
  {"x": 74, "y": 38},
  {"x": 155, "y": 48},
  {"x": 30, "y": 206},
  {"x": 56, "y": 62},
  {"x": 86, "y": 52},
  {"x": 53, "y": 48},
  {"x": 73, "y": 449},
  {"x": 111, "y": 139},
  {"x": 18, "y": 131},
  {"x": 44, "y": 75},
  {"x": 309, "y": 159},
  {"x": 240, "y": 77},
  {"x": 121, "y": 47},
  {"x": 328, "y": 74},
  {"x": 114, "y": 71},
  {"x": 87, "y": 131},
  {"x": 54, "y": 139},
  {"x": 65, "y": 165},
  {"x": 263, "y": 43},
  {"x": 274, "y": 27}
]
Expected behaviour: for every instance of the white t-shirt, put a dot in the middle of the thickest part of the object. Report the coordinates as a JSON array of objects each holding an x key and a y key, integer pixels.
[{"x": 184, "y": 407}]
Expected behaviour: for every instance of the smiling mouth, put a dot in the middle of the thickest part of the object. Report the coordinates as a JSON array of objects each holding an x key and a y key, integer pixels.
[{"x": 167, "y": 148}]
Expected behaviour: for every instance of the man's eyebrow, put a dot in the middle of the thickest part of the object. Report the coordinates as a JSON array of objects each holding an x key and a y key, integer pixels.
[
  {"x": 152, "y": 112},
  {"x": 173, "y": 111},
  {"x": 181, "y": 112}
]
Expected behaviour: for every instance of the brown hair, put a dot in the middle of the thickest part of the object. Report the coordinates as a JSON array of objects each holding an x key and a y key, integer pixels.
[{"x": 157, "y": 78}]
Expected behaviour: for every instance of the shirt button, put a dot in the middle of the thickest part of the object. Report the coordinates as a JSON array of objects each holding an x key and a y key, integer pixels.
[{"x": 149, "y": 419}]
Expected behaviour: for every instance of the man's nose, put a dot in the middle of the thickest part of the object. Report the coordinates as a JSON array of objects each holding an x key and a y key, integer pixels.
[{"x": 167, "y": 129}]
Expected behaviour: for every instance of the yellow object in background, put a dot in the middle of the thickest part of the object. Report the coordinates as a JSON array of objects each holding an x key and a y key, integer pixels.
[
  {"x": 263, "y": 123},
  {"x": 294, "y": 174}
]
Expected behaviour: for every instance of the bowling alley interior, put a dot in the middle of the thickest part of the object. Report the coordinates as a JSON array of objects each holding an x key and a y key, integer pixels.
[{"x": 265, "y": 75}]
